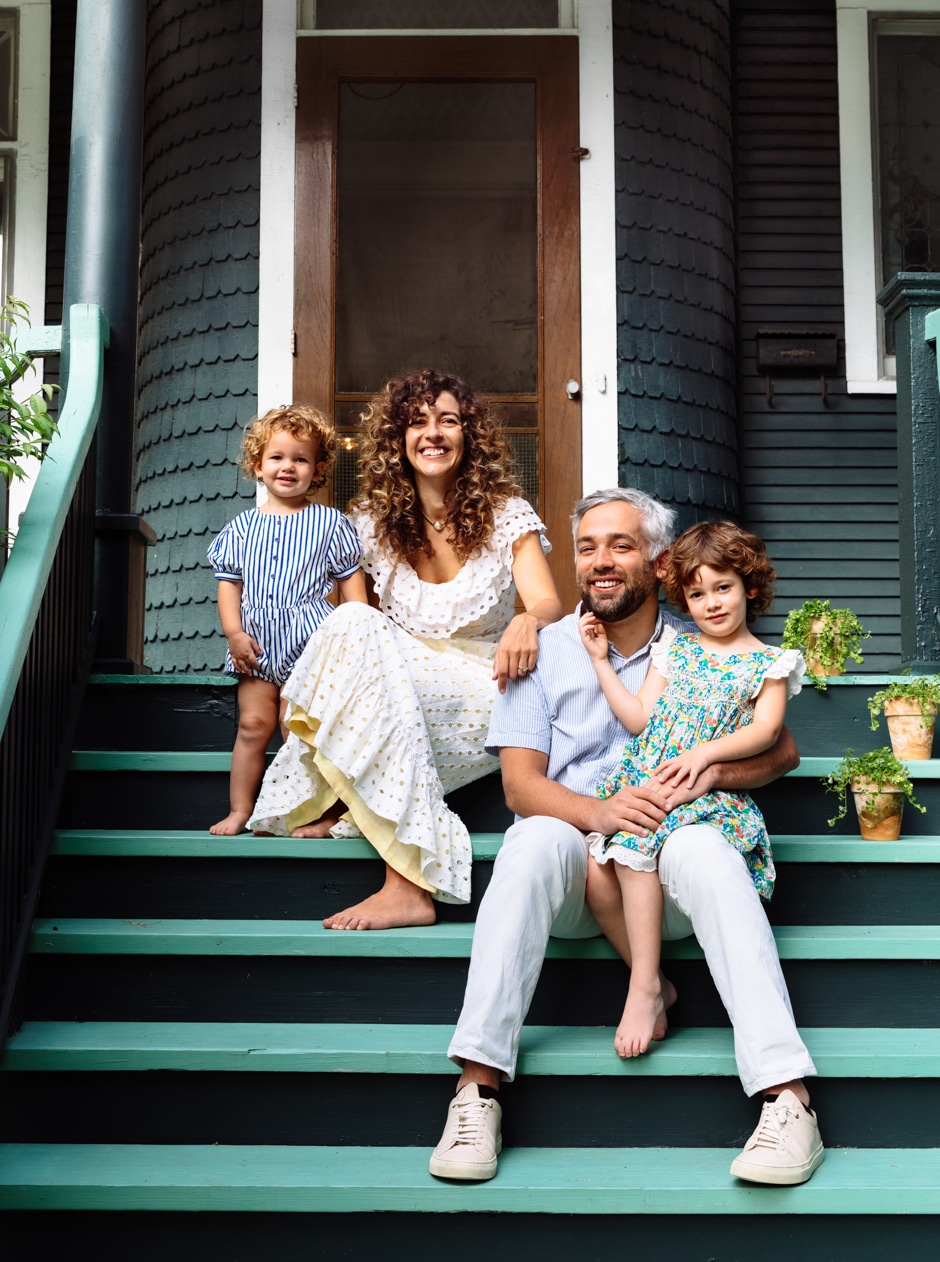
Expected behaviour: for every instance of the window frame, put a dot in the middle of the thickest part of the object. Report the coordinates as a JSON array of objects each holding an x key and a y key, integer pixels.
[{"x": 867, "y": 369}]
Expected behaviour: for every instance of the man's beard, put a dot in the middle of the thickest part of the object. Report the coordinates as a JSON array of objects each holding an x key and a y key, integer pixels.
[{"x": 620, "y": 604}]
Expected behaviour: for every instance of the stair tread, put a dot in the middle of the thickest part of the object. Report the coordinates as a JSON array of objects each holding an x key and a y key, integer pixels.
[
  {"x": 422, "y": 1049},
  {"x": 529, "y": 1180},
  {"x": 309, "y": 938},
  {"x": 220, "y": 760},
  {"x": 167, "y": 843}
]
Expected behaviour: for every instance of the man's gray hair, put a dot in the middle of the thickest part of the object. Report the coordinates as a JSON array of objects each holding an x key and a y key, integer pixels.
[{"x": 659, "y": 522}]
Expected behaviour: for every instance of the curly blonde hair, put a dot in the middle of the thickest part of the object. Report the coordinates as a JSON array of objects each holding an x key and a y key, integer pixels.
[
  {"x": 387, "y": 486},
  {"x": 722, "y": 545},
  {"x": 301, "y": 422}
]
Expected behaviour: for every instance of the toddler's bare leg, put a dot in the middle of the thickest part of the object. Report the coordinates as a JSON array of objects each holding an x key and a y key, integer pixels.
[
  {"x": 645, "y": 1008},
  {"x": 257, "y": 722},
  {"x": 605, "y": 899}
]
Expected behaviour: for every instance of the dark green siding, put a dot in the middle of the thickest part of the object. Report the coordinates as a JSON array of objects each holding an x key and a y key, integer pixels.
[
  {"x": 198, "y": 308},
  {"x": 818, "y": 483},
  {"x": 675, "y": 254}
]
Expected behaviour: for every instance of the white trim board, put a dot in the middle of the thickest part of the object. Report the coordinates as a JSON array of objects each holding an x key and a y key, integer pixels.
[
  {"x": 864, "y": 364},
  {"x": 598, "y": 222}
]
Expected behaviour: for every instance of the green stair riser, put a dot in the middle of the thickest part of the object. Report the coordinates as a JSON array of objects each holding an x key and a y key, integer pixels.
[
  {"x": 304, "y": 938},
  {"x": 422, "y": 1049},
  {"x": 530, "y": 1181}
]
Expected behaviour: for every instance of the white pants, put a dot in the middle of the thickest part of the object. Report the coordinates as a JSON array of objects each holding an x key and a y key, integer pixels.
[{"x": 537, "y": 891}]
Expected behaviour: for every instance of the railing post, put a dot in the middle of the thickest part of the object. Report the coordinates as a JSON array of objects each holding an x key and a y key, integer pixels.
[
  {"x": 101, "y": 267},
  {"x": 907, "y": 300}
]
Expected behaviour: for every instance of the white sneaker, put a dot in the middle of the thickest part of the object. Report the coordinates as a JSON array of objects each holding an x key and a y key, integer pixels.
[
  {"x": 472, "y": 1140},
  {"x": 785, "y": 1148}
]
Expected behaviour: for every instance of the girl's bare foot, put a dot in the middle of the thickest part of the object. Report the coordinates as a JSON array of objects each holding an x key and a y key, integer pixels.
[
  {"x": 398, "y": 905},
  {"x": 233, "y": 823},
  {"x": 644, "y": 1011},
  {"x": 670, "y": 995},
  {"x": 321, "y": 827}
]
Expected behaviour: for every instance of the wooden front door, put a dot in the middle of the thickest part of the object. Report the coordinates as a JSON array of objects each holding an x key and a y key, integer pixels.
[{"x": 437, "y": 225}]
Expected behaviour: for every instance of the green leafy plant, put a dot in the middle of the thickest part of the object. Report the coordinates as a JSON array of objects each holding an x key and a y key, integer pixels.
[
  {"x": 923, "y": 690},
  {"x": 25, "y": 424},
  {"x": 880, "y": 767},
  {"x": 828, "y": 647}
]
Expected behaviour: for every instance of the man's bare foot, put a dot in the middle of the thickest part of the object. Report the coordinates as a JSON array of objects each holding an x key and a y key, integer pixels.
[
  {"x": 393, "y": 907},
  {"x": 233, "y": 823},
  {"x": 644, "y": 1011},
  {"x": 321, "y": 827}
]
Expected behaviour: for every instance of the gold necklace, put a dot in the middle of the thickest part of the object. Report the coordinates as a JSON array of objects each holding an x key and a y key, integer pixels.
[{"x": 437, "y": 525}]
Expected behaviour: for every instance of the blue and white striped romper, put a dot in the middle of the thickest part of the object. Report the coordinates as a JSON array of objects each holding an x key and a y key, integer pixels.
[{"x": 287, "y": 565}]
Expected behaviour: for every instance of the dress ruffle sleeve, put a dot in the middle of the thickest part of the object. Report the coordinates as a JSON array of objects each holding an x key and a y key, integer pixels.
[
  {"x": 659, "y": 652},
  {"x": 345, "y": 555},
  {"x": 790, "y": 666}
]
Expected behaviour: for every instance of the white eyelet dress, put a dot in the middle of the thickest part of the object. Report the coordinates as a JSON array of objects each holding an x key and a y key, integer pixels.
[{"x": 389, "y": 711}]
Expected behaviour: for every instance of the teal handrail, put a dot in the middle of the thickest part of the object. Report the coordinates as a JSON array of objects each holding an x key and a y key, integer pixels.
[{"x": 27, "y": 571}]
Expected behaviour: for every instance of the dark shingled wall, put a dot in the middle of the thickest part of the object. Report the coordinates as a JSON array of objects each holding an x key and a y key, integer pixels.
[
  {"x": 198, "y": 307},
  {"x": 819, "y": 483},
  {"x": 675, "y": 253}
]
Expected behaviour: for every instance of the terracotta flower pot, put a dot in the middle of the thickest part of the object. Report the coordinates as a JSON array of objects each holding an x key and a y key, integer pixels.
[
  {"x": 910, "y": 728},
  {"x": 879, "y": 816},
  {"x": 813, "y": 665}
]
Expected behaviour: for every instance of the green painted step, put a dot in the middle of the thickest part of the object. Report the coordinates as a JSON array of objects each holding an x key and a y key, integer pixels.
[
  {"x": 815, "y": 848},
  {"x": 202, "y": 760},
  {"x": 422, "y": 1049},
  {"x": 450, "y": 941},
  {"x": 530, "y": 1181}
]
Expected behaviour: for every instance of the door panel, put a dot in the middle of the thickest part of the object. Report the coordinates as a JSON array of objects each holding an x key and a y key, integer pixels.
[{"x": 437, "y": 224}]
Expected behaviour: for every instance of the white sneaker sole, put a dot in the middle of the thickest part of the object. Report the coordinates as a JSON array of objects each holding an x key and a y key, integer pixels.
[
  {"x": 778, "y": 1176},
  {"x": 478, "y": 1171}
]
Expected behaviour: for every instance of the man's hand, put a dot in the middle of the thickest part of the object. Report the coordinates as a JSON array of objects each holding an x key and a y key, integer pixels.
[{"x": 638, "y": 811}]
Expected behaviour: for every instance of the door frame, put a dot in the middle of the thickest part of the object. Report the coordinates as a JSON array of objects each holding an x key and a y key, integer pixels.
[{"x": 598, "y": 371}]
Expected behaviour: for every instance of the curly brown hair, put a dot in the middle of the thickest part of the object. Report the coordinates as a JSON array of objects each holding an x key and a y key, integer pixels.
[
  {"x": 300, "y": 421},
  {"x": 722, "y": 545},
  {"x": 387, "y": 480}
]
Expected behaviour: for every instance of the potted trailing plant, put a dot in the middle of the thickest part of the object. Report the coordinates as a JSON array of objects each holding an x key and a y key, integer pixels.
[
  {"x": 826, "y": 637},
  {"x": 879, "y": 785},
  {"x": 25, "y": 424},
  {"x": 910, "y": 708}
]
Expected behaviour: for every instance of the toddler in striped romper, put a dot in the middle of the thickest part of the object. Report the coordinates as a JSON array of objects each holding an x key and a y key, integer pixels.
[{"x": 276, "y": 564}]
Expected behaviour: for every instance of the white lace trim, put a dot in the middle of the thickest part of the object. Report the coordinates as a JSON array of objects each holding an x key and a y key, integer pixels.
[
  {"x": 480, "y": 588},
  {"x": 789, "y": 666},
  {"x": 659, "y": 652}
]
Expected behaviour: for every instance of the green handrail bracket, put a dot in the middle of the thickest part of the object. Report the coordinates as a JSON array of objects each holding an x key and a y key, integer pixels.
[
  {"x": 932, "y": 334},
  {"x": 27, "y": 571}
]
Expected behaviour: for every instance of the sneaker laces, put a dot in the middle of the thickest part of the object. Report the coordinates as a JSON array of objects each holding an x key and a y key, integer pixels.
[
  {"x": 471, "y": 1121},
  {"x": 774, "y": 1117}
]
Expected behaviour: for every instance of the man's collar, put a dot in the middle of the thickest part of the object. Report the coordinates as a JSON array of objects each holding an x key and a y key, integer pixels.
[{"x": 657, "y": 632}]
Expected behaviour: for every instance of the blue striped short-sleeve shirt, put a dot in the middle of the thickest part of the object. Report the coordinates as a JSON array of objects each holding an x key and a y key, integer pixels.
[
  {"x": 287, "y": 565},
  {"x": 560, "y": 710}
]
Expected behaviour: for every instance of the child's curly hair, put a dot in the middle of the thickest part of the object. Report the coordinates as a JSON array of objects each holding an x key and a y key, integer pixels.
[
  {"x": 387, "y": 486},
  {"x": 723, "y": 546},
  {"x": 300, "y": 421}
]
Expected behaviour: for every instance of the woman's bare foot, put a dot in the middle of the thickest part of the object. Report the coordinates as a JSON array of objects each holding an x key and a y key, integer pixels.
[
  {"x": 321, "y": 827},
  {"x": 643, "y": 1013},
  {"x": 233, "y": 823},
  {"x": 398, "y": 904}
]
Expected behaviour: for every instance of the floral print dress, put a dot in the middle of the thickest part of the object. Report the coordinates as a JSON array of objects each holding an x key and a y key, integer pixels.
[{"x": 706, "y": 696}]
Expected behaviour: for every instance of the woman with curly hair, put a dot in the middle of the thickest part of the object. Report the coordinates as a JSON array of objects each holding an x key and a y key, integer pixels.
[{"x": 388, "y": 708}]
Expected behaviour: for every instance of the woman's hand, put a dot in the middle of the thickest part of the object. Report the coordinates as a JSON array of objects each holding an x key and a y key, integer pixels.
[
  {"x": 593, "y": 637},
  {"x": 244, "y": 651},
  {"x": 518, "y": 649}
]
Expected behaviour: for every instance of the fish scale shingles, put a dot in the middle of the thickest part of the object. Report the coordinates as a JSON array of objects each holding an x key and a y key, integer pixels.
[
  {"x": 675, "y": 253},
  {"x": 198, "y": 347}
]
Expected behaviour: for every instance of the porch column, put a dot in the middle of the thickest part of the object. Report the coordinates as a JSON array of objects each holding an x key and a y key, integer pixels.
[
  {"x": 908, "y": 299},
  {"x": 101, "y": 266}
]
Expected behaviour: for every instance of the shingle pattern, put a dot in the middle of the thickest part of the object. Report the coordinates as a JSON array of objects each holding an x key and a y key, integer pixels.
[
  {"x": 675, "y": 253},
  {"x": 197, "y": 371}
]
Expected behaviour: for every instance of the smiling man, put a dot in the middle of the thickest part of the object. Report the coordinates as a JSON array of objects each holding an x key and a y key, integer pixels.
[{"x": 556, "y": 737}]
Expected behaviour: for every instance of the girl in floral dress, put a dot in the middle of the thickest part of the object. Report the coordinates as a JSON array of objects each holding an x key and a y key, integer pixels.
[{"x": 717, "y": 696}]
